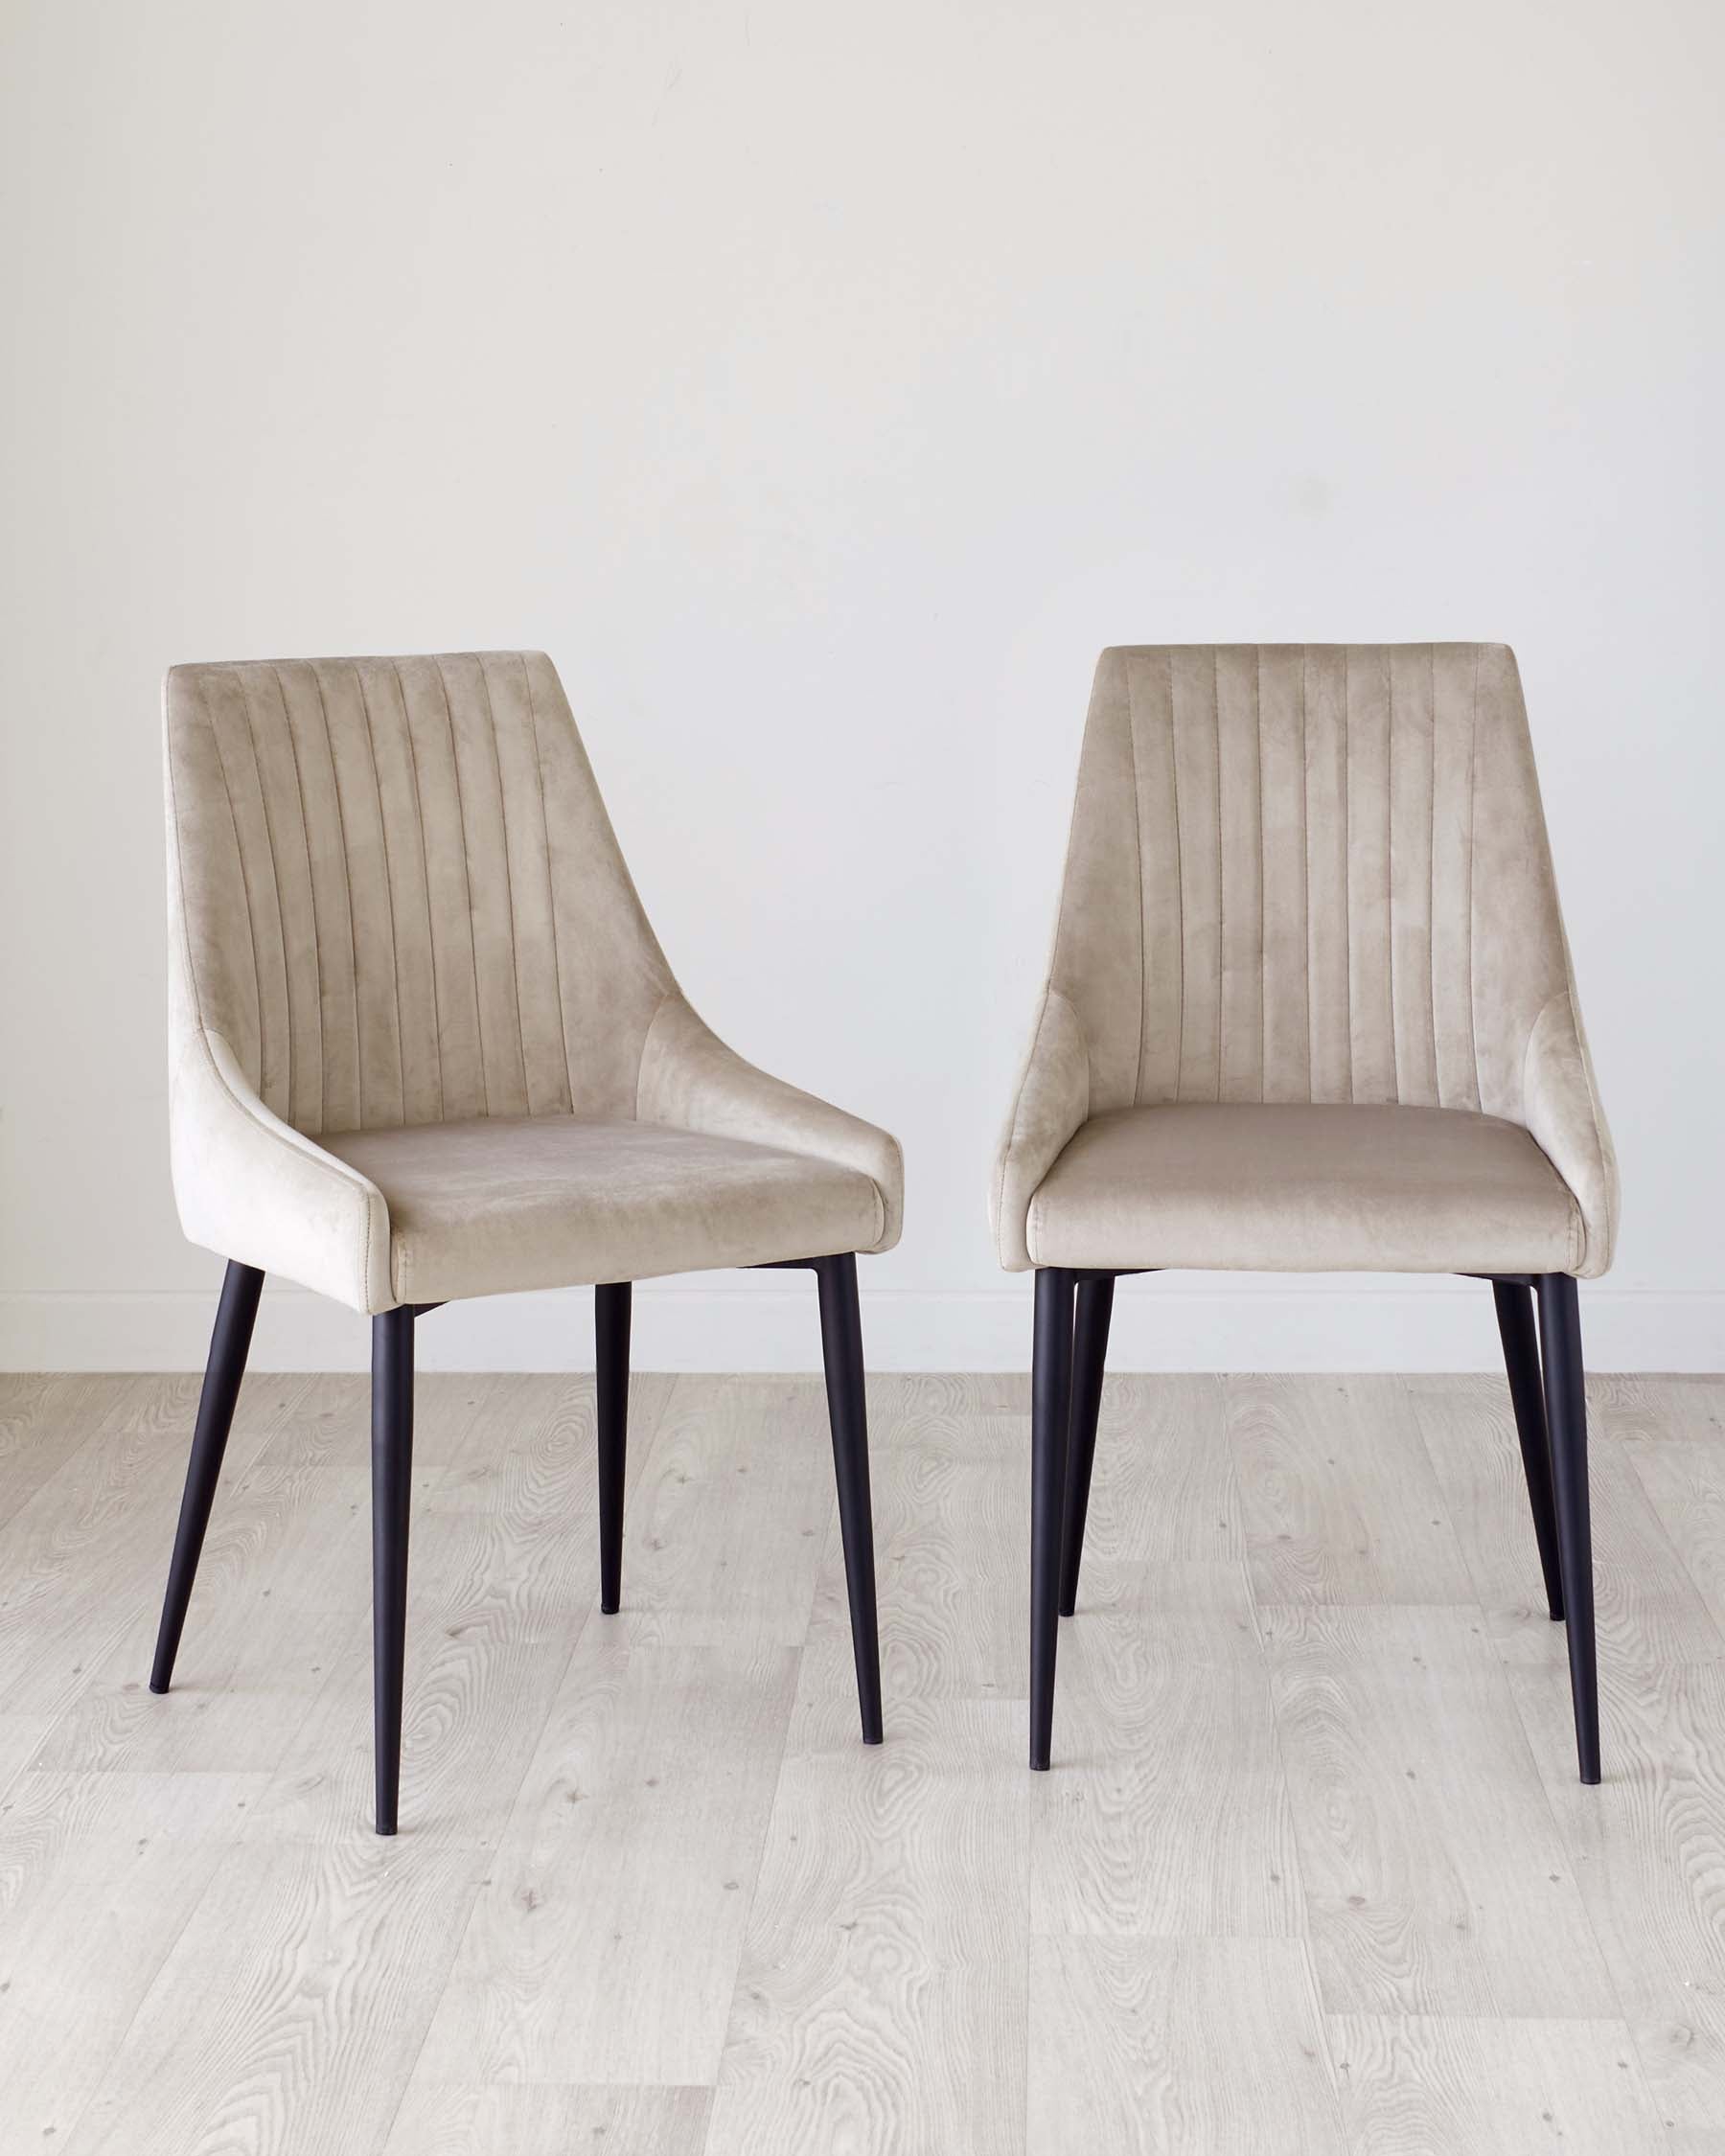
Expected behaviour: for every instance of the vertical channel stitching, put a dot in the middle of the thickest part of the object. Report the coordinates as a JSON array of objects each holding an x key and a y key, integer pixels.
[
  {"x": 418, "y": 807},
  {"x": 395, "y": 954},
  {"x": 1432, "y": 888},
  {"x": 1179, "y": 874},
  {"x": 1389, "y": 865},
  {"x": 299, "y": 788},
  {"x": 275, "y": 879},
  {"x": 1306, "y": 848},
  {"x": 347, "y": 885},
  {"x": 539, "y": 769},
  {"x": 1137, "y": 836},
  {"x": 515, "y": 952},
  {"x": 466, "y": 873},
  {"x": 1473, "y": 765},
  {"x": 1221, "y": 879},
  {"x": 251, "y": 925}
]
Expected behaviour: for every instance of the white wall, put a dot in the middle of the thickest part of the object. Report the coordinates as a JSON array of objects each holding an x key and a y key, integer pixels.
[{"x": 822, "y": 385}]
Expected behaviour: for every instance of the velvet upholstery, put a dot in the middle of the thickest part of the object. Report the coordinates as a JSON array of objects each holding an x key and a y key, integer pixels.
[
  {"x": 503, "y": 1203},
  {"x": 1308, "y": 877},
  {"x": 404, "y": 946}
]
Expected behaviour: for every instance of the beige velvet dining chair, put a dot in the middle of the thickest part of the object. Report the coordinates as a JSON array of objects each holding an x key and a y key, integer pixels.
[
  {"x": 1309, "y": 1009},
  {"x": 424, "y": 1046}
]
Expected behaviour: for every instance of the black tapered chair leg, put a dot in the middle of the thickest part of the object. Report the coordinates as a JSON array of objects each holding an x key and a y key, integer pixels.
[
  {"x": 230, "y": 1343},
  {"x": 847, "y": 1410},
  {"x": 1050, "y": 1422},
  {"x": 1094, "y": 1308},
  {"x": 611, "y": 1305},
  {"x": 392, "y": 1482},
  {"x": 1527, "y": 1395},
  {"x": 1566, "y": 1420}
]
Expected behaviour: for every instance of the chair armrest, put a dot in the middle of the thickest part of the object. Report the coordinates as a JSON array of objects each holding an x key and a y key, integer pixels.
[
  {"x": 691, "y": 1081},
  {"x": 1051, "y": 1103},
  {"x": 258, "y": 1192},
  {"x": 1560, "y": 1107}
]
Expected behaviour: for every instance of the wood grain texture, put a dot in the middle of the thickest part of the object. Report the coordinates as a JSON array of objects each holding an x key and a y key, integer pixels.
[
  {"x": 87, "y": 1554},
  {"x": 503, "y": 1572},
  {"x": 288, "y": 2010},
  {"x": 1671, "y": 1432},
  {"x": 1434, "y": 1875},
  {"x": 605, "y": 1941},
  {"x": 1312, "y": 1751},
  {"x": 886, "y": 1944},
  {"x": 1181, "y": 2047},
  {"x": 1169, "y": 1812},
  {"x": 722, "y": 1537},
  {"x": 521, "y": 2119},
  {"x": 1340, "y": 1500},
  {"x": 1648, "y": 1613},
  {"x": 951, "y": 1565},
  {"x": 44, "y": 1419},
  {"x": 99, "y": 1873},
  {"x": 1416, "y": 2086},
  {"x": 1648, "y": 1851}
]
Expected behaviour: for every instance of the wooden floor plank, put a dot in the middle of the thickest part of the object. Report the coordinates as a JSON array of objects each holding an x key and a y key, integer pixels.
[
  {"x": 86, "y": 1556},
  {"x": 1673, "y": 1433},
  {"x": 99, "y": 1873},
  {"x": 952, "y": 1560},
  {"x": 289, "y": 2012},
  {"x": 531, "y": 1443},
  {"x": 1647, "y": 1846},
  {"x": 1416, "y": 2086},
  {"x": 1339, "y": 1500},
  {"x": 503, "y": 1573},
  {"x": 605, "y": 1941},
  {"x": 880, "y": 2002},
  {"x": 1178, "y": 2046},
  {"x": 1313, "y": 1751},
  {"x": 1648, "y": 1608},
  {"x": 1434, "y": 1880},
  {"x": 1166, "y": 1811},
  {"x": 521, "y": 2118},
  {"x": 724, "y": 1527},
  {"x": 44, "y": 1418}
]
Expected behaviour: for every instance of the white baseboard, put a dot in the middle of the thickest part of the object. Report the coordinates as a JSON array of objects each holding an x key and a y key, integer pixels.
[{"x": 768, "y": 1324}]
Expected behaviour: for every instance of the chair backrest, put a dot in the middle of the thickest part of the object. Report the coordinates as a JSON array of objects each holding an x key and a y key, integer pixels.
[
  {"x": 1309, "y": 873},
  {"x": 397, "y": 895}
]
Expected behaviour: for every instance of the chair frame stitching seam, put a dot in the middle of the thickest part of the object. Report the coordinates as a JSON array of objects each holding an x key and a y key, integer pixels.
[{"x": 670, "y": 996}]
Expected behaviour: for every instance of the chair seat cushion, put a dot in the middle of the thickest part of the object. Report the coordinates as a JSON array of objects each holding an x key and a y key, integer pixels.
[
  {"x": 1300, "y": 1188},
  {"x": 495, "y": 1205}
]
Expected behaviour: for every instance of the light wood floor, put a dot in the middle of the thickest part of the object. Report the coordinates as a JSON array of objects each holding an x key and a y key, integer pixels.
[{"x": 1312, "y": 1874}]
